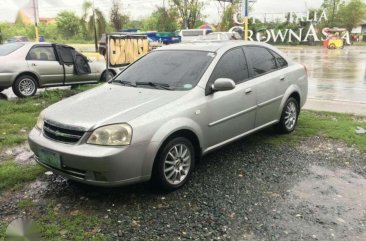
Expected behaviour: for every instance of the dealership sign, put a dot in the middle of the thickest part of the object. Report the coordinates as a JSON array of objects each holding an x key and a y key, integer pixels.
[{"x": 290, "y": 35}]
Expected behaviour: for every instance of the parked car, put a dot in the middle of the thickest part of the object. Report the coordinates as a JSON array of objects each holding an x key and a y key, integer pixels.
[
  {"x": 164, "y": 111},
  {"x": 220, "y": 36},
  {"x": 28, "y": 66},
  {"x": 18, "y": 39},
  {"x": 189, "y": 35}
]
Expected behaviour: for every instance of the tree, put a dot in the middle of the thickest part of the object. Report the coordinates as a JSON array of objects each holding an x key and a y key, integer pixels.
[
  {"x": 88, "y": 19},
  {"x": 189, "y": 10},
  {"x": 331, "y": 7},
  {"x": 352, "y": 14},
  {"x": 117, "y": 19},
  {"x": 227, "y": 21},
  {"x": 162, "y": 20},
  {"x": 68, "y": 23}
]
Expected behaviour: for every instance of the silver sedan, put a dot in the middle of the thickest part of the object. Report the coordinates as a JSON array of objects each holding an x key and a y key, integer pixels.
[
  {"x": 28, "y": 66},
  {"x": 163, "y": 112}
]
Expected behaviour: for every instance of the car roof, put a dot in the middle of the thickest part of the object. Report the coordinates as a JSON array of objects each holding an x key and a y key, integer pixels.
[{"x": 211, "y": 46}]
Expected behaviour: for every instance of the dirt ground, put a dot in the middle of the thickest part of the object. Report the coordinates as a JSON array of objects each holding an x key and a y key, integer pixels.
[{"x": 313, "y": 190}]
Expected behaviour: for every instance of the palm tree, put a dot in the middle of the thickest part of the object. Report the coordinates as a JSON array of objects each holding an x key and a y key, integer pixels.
[{"x": 93, "y": 20}]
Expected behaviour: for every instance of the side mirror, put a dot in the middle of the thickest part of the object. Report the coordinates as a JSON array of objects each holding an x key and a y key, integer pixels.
[{"x": 223, "y": 84}]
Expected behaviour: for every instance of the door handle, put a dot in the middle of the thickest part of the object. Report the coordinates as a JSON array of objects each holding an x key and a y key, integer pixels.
[
  {"x": 248, "y": 91},
  {"x": 282, "y": 78},
  {"x": 33, "y": 64}
]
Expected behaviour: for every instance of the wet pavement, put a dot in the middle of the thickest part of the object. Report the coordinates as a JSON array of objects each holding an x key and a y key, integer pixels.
[
  {"x": 313, "y": 190},
  {"x": 337, "y": 78}
]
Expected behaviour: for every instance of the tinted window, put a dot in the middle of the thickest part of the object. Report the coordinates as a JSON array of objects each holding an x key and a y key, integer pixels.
[
  {"x": 232, "y": 65},
  {"x": 66, "y": 54},
  {"x": 262, "y": 60},
  {"x": 42, "y": 53},
  {"x": 6, "y": 49},
  {"x": 281, "y": 62},
  {"x": 179, "y": 69}
]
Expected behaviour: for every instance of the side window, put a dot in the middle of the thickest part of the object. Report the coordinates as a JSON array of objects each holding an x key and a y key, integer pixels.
[
  {"x": 66, "y": 54},
  {"x": 232, "y": 65},
  {"x": 281, "y": 62},
  {"x": 262, "y": 60},
  {"x": 41, "y": 53}
]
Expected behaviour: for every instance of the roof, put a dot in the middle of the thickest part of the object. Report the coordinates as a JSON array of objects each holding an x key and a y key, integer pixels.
[{"x": 210, "y": 46}]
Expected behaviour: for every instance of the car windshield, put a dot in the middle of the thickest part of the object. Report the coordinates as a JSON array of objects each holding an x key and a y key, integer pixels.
[
  {"x": 173, "y": 69},
  {"x": 6, "y": 49}
]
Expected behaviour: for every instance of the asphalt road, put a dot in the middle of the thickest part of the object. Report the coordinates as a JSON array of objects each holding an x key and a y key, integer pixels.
[{"x": 313, "y": 190}]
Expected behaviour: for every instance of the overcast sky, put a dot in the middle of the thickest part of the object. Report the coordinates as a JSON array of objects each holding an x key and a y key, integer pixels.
[{"x": 138, "y": 9}]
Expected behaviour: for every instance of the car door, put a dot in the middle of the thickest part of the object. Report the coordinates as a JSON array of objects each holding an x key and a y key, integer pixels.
[
  {"x": 230, "y": 113},
  {"x": 77, "y": 69},
  {"x": 263, "y": 67},
  {"x": 41, "y": 59}
]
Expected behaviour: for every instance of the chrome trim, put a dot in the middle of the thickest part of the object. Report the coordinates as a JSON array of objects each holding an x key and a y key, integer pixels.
[
  {"x": 270, "y": 101},
  {"x": 57, "y": 133},
  {"x": 238, "y": 137},
  {"x": 232, "y": 116},
  {"x": 60, "y": 125}
]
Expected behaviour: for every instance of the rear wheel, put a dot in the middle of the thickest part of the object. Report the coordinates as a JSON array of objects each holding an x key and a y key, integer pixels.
[
  {"x": 25, "y": 86},
  {"x": 289, "y": 116},
  {"x": 107, "y": 75},
  {"x": 331, "y": 46},
  {"x": 174, "y": 164}
]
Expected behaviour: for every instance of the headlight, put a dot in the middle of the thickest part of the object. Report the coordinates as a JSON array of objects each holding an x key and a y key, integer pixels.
[
  {"x": 40, "y": 121},
  {"x": 112, "y": 135}
]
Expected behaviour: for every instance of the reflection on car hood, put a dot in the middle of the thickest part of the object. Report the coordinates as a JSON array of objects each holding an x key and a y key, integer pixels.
[{"x": 108, "y": 104}]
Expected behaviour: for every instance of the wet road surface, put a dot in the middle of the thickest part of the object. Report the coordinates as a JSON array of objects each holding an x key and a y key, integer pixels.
[
  {"x": 337, "y": 78},
  {"x": 313, "y": 190}
]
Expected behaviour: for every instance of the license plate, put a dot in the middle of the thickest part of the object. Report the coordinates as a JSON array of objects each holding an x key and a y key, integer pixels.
[{"x": 50, "y": 158}]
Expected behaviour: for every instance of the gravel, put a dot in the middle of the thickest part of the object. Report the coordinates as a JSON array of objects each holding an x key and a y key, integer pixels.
[{"x": 313, "y": 190}]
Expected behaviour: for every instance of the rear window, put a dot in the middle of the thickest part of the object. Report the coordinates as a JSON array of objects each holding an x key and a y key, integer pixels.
[{"x": 6, "y": 49}]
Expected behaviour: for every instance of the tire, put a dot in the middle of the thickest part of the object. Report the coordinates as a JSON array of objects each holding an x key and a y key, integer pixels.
[
  {"x": 2, "y": 89},
  {"x": 289, "y": 116},
  {"x": 25, "y": 86},
  {"x": 107, "y": 75},
  {"x": 174, "y": 164}
]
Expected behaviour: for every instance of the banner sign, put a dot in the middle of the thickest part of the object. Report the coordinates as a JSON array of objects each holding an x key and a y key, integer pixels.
[
  {"x": 124, "y": 49},
  {"x": 289, "y": 35}
]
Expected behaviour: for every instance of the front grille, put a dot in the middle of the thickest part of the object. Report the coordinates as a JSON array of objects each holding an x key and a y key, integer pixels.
[{"x": 61, "y": 134}]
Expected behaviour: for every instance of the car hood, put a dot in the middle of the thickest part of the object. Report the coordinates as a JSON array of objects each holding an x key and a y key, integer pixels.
[{"x": 108, "y": 104}]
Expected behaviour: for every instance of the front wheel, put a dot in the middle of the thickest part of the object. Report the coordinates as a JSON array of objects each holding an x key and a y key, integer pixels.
[
  {"x": 174, "y": 164},
  {"x": 289, "y": 116},
  {"x": 25, "y": 86}
]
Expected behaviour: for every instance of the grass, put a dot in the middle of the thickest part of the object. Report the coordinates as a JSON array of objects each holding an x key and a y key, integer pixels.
[
  {"x": 72, "y": 225},
  {"x": 13, "y": 176},
  {"x": 327, "y": 124}
]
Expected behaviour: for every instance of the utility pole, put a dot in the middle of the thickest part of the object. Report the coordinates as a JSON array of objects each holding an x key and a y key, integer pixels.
[
  {"x": 334, "y": 5},
  {"x": 95, "y": 30},
  {"x": 185, "y": 14},
  {"x": 246, "y": 20},
  {"x": 35, "y": 8}
]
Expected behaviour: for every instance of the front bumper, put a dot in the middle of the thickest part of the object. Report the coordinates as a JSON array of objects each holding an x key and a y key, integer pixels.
[{"x": 96, "y": 165}]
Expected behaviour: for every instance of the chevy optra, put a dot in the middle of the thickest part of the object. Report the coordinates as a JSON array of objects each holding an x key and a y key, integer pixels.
[{"x": 161, "y": 114}]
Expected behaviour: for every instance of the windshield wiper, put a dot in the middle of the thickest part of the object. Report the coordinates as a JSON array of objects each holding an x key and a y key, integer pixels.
[
  {"x": 125, "y": 82},
  {"x": 156, "y": 84}
]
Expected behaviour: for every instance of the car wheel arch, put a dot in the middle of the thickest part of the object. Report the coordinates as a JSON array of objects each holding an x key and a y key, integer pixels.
[
  {"x": 292, "y": 91},
  {"x": 168, "y": 131},
  {"x": 34, "y": 75}
]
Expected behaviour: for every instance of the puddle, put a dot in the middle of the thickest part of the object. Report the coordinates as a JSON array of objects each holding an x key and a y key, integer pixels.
[{"x": 327, "y": 205}]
